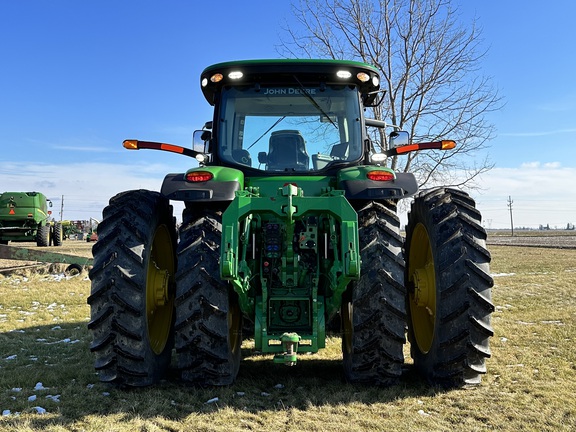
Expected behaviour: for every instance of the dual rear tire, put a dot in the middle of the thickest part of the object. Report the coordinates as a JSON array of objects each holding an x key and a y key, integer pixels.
[
  {"x": 440, "y": 294},
  {"x": 140, "y": 302}
]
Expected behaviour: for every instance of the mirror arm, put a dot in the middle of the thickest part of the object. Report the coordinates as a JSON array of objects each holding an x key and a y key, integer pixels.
[
  {"x": 137, "y": 145},
  {"x": 376, "y": 123}
]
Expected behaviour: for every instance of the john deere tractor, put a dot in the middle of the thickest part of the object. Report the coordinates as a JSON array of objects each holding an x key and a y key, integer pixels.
[{"x": 289, "y": 226}]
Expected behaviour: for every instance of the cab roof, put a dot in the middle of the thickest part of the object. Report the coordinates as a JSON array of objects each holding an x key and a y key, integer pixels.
[{"x": 284, "y": 71}]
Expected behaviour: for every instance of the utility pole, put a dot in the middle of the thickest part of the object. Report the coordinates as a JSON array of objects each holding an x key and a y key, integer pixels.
[
  {"x": 510, "y": 207},
  {"x": 62, "y": 209}
]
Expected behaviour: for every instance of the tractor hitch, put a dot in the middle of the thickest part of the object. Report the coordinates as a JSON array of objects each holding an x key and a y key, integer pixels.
[{"x": 290, "y": 343}]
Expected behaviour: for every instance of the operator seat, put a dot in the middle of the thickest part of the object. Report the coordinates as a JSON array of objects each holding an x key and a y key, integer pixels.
[
  {"x": 242, "y": 156},
  {"x": 340, "y": 151},
  {"x": 287, "y": 151}
]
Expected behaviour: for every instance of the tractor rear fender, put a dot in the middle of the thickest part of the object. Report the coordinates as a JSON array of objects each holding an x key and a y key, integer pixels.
[
  {"x": 357, "y": 184},
  {"x": 203, "y": 184}
]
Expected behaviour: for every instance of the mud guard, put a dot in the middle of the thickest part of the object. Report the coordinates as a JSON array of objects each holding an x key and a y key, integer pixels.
[
  {"x": 222, "y": 187},
  {"x": 403, "y": 186}
]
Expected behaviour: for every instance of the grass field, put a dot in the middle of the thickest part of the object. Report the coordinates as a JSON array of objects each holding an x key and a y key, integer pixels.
[{"x": 47, "y": 381}]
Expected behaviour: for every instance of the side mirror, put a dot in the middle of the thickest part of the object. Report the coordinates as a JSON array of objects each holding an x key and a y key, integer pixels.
[
  {"x": 200, "y": 140},
  {"x": 262, "y": 158},
  {"x": 399, "y": 138}
]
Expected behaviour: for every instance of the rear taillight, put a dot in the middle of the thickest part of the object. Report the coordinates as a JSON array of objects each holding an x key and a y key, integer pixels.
[
  {"x": 380, "y": 176},
  {"x": 199, "y": 176}
]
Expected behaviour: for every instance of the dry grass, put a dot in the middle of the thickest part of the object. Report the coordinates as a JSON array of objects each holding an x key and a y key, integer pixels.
[{"x": 530, "y": 383}]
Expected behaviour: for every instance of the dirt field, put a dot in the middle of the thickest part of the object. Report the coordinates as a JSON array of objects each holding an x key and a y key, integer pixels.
[{"x": 549, "y": 239}]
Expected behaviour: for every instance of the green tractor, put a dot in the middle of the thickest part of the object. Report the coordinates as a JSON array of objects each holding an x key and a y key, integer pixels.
[
  {"x": 290, "y": 228},
  {"x": 25, "y": 217}
]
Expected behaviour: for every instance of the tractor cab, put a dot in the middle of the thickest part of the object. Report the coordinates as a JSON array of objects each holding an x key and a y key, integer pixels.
[{"x": 307, "y": 119}]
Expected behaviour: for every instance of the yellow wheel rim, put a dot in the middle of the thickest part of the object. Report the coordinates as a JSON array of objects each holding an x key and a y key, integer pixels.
[
  {"x": 422, "y": 275},
  {"x": 159, "y": 295}
]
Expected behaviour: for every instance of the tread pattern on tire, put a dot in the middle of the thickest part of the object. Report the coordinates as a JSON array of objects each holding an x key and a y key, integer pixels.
[
  {"x": 117, "y": 301},
  {"x": 464, "y": 304},
  {"x": 57, "y": 234},
  {"x": 43, "y": 236},
  {"x": 206, "y": 355},
  {"x": 379, "y": 314}
]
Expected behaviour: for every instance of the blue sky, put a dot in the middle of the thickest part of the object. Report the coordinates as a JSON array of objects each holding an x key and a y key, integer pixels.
[{"x": 78, "y": 77}]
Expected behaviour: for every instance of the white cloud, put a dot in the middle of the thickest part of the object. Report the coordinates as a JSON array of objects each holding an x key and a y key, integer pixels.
[
  {"x": 85, "y": 187},
  {"x": 528, "y": 165},
  {"x": 547, "y": 165},
  {"x": 541, "y": 194}
]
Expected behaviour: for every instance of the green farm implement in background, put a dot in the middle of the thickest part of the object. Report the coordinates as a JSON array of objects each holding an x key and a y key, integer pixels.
[{"x": 25, "y": 217}]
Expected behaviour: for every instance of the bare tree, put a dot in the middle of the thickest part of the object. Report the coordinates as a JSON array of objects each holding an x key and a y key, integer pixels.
[{"x": 430, "y": 69}]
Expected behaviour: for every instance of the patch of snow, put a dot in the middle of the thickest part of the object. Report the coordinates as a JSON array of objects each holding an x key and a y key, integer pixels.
[{"x": 40, "y": 386}]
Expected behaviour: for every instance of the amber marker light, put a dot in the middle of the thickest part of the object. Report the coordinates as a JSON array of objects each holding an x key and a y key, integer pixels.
[
  {"x": 380, "y": 175},
  {"x": 448, "y": 144},
  {"x": 363, "y": 76},
  {"x": 199, "y": 176},
  {"x": 216, "y": 77},
  {"x": 130, "y": 144}
]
